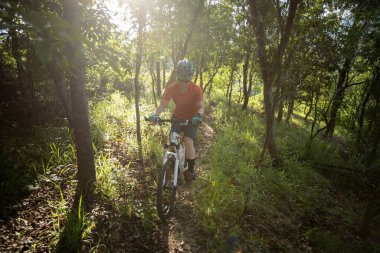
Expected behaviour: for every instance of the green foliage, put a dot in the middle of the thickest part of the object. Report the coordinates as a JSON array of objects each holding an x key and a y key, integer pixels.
[
  {"x": 60, "y": 157},
  {"x": 59, "y": 214},
  {"x": 107, "y": 168},
  {"x": 77, "y": 228},
  {"x": 239, "y": 193},
  {"x": 112, "y": 119}
]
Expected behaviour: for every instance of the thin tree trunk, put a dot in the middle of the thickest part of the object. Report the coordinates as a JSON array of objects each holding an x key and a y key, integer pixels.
[
  {"x": 154, "y": 79},
  {"x": 199, "y": 70},
  {"x": 196, "y": 76},
  {"x": 81, "y": 124},
  {"x": 268, "y": 71},
  {"x": 290, "y": 107},
  {"x": 280, "y": 112},
  {"x": 338, "y": 98},
  {"x": 361, "y": 117},
  {"x": 310, "y": 107},
  {"x": 376, "y": 132},
  {"x": 57, "y": 76},
  {"x": 164, "y": 74},
  {"x": 231, "y": 85},
  {"x": 141, "y": 23},
  {"x": 315, "y": 118},
  {"x": 158, "y": 78},
  {"x": 209, "y": 82},
  {"x": 201, "y": 78},
  {"x": 245, "y": 78},
  {"x": 371, "y": 90}
]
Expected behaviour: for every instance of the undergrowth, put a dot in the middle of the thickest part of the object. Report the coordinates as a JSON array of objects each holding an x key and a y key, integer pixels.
[{"x": 291, "y": 208}]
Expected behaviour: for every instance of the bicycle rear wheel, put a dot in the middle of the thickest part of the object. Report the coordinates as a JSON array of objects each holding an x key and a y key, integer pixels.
[{"x": 166, "y": 190}]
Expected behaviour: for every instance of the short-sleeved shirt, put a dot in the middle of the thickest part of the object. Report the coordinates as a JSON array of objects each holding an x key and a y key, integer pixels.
[{"x": 185, "y": 103}]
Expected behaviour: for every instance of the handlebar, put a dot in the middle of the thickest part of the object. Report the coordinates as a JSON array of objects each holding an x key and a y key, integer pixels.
[{"x": 162, "y": 121}]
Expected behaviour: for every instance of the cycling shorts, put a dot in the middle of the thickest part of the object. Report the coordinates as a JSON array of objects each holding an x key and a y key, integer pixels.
[{"x": 188, "y": 131}]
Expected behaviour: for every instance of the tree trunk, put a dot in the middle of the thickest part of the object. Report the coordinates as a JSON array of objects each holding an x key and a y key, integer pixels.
[
  {"x": 280, "y": 112},
  {"x": 201, "y": 77},
  {"x": 199, "y": 69},
  {"x": 141, "y": 23},
  {"x": 338, "y": 98},
  {"x": 361, "y": 117},
  {"x": 158, "y": 78},
  {"x": 268, "y": 71},
  {"x": 315, "y": 118},
  {"x": 290, "y": 107},
  {"x": 245, "y": 78},
  {"x": 231, "y": 85},
  {"x": 81, "y": 124},
  {"x": 164, "y": 74},
  {"x": 209, "y": 82},
  {"x": 57, "y": 76},
  {"x": 270, "y": 137}
]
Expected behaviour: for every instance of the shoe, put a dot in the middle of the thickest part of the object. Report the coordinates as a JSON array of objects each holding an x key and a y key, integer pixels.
[{"x": 190, "y": 175}]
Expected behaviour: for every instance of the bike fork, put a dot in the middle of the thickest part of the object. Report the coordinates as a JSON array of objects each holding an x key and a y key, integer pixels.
[{"x": 167, "y": 155}]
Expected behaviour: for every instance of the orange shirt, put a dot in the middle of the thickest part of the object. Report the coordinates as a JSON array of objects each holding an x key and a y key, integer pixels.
[{"x": 185, "y": 103}]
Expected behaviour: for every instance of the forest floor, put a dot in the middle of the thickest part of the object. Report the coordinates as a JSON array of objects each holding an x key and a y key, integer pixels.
[{"x": 35, "y": 223}]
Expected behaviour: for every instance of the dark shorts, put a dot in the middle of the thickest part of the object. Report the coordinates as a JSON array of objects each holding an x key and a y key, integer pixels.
[{"x": 188, "y": 131}]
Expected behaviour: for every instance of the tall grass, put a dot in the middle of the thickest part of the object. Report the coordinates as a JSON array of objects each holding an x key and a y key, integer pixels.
[
  {"x": 77, "y": 228},
  {"x": 257, "y": 201},
  {"x": 113, "y": 122}
]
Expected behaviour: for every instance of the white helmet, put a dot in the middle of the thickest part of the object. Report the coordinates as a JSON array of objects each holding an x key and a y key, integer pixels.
[{"x": 185, "y": 70}]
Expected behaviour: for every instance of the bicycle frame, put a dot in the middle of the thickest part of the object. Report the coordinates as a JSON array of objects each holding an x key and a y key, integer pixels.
[{"x": 176, "y": 141}]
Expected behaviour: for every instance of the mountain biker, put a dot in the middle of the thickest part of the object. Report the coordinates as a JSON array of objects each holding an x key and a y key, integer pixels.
[{"x": 189, "y": 105}]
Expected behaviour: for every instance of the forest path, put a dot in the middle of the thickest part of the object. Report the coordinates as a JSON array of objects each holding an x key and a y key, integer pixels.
[{"x": 183, "y": 233}]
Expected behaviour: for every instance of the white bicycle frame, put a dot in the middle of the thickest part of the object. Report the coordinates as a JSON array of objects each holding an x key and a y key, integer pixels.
[{"x": 179, "y": 155}]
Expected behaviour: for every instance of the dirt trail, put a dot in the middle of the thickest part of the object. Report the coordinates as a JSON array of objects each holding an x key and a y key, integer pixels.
[{"x": 183, "y": 234}]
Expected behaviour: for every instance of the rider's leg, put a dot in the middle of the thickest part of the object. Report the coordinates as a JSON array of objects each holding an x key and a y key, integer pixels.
[
  {"x": 189, "y": 146},
  {"x": 190, "y": 153},
  {"x": 190, "y": 134}
]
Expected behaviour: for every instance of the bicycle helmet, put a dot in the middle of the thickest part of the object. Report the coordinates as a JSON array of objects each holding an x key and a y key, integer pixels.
[{"x": 184, "y": 70}]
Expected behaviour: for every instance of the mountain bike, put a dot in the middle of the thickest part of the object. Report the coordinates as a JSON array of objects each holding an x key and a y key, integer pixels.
[{"x": 173, "y": 162}]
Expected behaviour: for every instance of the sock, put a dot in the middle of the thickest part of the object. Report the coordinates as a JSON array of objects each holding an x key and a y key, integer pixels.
[{"x": 190, "y": 164}]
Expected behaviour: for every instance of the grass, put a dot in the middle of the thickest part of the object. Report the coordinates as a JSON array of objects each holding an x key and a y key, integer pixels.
[
  {"x": 77, "y": 228},
  {"x": 272, "y": 208},
  {"x": 23, "y": 156}
]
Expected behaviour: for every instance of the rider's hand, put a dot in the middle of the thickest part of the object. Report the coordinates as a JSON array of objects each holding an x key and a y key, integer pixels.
[
  {"x": 197, "y": 119},
  {"x": 153, "y": 118}
]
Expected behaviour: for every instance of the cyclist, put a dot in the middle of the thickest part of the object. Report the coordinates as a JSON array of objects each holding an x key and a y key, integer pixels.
[{"x": 189, "y": 105}]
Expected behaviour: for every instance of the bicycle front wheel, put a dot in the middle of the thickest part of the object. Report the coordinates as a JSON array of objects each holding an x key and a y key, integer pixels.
[{"x": 166, "y": 189}]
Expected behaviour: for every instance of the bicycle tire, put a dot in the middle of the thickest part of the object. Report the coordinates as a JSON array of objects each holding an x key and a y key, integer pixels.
[{"x": 166, "y": 193}]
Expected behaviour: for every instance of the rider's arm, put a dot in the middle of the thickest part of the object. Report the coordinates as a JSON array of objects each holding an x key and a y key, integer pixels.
[
  {"x": 200, "y": 107},
  {"x": 164, "y": 103}
]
